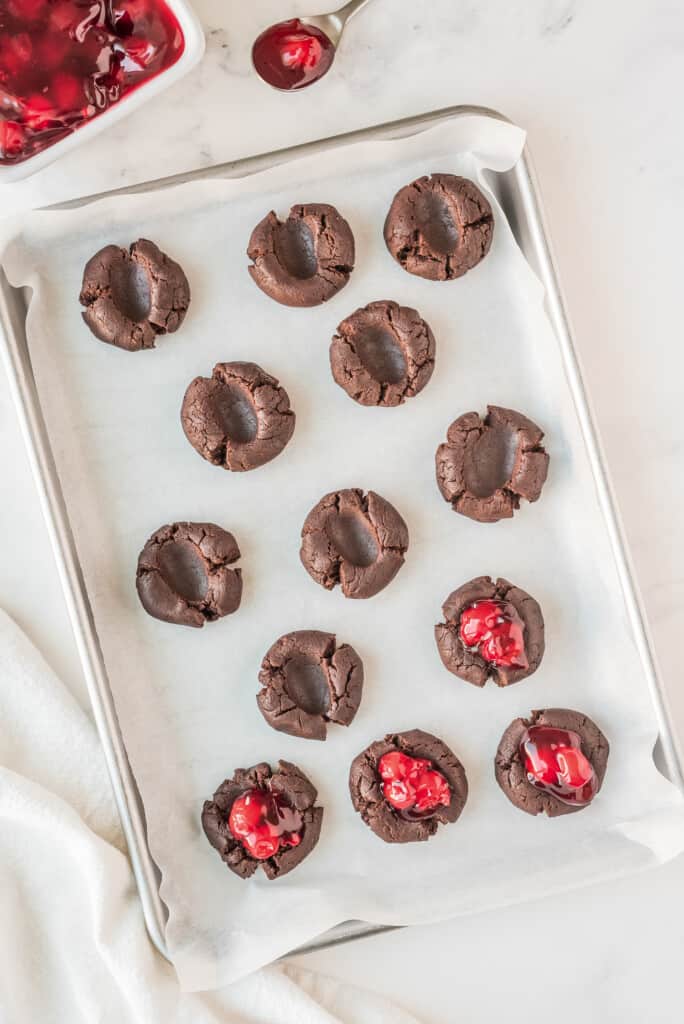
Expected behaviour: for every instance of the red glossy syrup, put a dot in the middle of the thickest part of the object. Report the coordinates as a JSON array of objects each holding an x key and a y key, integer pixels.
[
  {"x": 292, "y": 54},
  {"x": 264, "y": 822},
  {"x": 554, "y": 761},
  {"x": 497, "y": 631},
  {"x": 412, "y": 785},
  {"x": 63, "y": 62}
]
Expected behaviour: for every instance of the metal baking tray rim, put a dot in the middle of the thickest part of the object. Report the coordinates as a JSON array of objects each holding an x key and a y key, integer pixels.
[{"x": 519, "y": 193}]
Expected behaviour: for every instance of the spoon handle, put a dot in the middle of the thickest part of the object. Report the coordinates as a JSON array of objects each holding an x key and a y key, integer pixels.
[{"x": 350, "y": 9}]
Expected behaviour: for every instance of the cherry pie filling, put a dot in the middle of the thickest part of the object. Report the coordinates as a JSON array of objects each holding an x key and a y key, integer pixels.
[
  {"x": 554, "y": 762},
  {"x": 265, "y": 823},
  {"x": 64, "y": 62},
  {"x": 495, "y": 630},
  {"x": 412, "y": 785},
  {"x": 292, "y": 54}
]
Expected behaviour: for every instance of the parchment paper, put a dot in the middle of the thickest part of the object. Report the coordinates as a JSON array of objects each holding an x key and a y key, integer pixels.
[{"x": 186, "y": 699}]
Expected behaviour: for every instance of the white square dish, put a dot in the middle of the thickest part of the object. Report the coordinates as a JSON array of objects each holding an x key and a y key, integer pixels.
[{"x": 193, "y": 51}]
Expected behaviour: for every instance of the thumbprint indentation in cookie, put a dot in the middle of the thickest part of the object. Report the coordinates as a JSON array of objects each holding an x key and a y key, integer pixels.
[
  {"x": 236, "y": 414},
  {"x": 183, "y": 568},
  {"x": 353, "y": 539},
  {"x": 382, "y": 356},
  {"x": 295, "y": 249},
  {"x": 130, "y": 285},
  {"x": 306, "y": 684},
  {"x": 490, "y": 462},
  {"x": 439, "y": 228}
]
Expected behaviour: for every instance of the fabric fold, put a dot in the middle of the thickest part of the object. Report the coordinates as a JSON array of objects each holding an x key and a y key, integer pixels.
[{"x": 73, "y": 946}]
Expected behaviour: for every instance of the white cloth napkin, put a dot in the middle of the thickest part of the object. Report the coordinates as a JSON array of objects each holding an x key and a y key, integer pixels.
[{"x": 73, "y": 947}]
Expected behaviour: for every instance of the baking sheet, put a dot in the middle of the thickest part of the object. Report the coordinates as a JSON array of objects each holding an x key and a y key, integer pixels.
[{"x": 186, "y": 699}]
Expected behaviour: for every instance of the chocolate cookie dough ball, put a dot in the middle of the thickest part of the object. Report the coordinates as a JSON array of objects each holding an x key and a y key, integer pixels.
[
  {"x": 239, "y": 418},
  {"x": 553, "y": 762},
  {"x": 491, "y": 631},
  {"x": 383, "y": 354},
  {"x": 185, "y": 574},
  {"x": 439, "y": 227},
  {"x": 308, "y": 681},
  {"x": 355, "y": 540},
  {"x": 407, "y": 785},
  {"x": 133, "y": 295},
  {"x": 304, "y": 260},
  {"x": 488, "y": 465},
  {"x": 263, "y": 818}
]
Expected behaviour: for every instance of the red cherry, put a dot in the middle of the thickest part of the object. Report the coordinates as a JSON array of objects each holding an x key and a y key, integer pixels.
[
  {"x": 432, "y": 789},
  {"x": 40, "y": 112},
  {"x": 51, "y": 50},
  {"x": 496, "y": 629},
  {"x": 394, "y": 765},
  {"x": 264, "y": 822},
  {"x": 478, "y": 620},
  {"x": 412, "y": 783},
  {"x": 554, "y": 761},
  {"x": 67, "y": 91},
  {"x": 12, "y": 140},
  {"x": 574, "y": 768},
  {"x": 29, "y": 10},
  {"x": 504, "y": 645},
  {"x": 263, "y": 847},
  {"x": 15, "y": 54},
  {"x": 65, "y": 16},
  {"x": 399, "y": 793},
  {"x": 22, "y": 46},
  {"x": 247, "y": 812}
]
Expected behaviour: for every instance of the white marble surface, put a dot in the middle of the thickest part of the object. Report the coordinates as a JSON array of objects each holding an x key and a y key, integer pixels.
[{"x": 598, "y": 86}]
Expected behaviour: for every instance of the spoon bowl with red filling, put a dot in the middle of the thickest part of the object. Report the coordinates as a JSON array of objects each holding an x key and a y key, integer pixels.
[
  {"x": 292, "y": 55},
  {"x": 295, "y": 53}
]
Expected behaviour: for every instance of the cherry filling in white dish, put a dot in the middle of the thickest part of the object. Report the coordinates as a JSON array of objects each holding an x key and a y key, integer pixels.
[{"x": 65, "y": 62}]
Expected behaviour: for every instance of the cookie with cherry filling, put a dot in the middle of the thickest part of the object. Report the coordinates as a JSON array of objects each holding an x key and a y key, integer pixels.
[
  {"x": 406, "y": 785},
  {"x": 553, "y": 762},
  {"x": 491, "y": 630},
  {"x": 263, "y": 818}
]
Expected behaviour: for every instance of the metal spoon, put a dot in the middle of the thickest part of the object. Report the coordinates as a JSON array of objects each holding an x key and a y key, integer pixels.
[
  {"x": 292, "y": 68},
  {"x": 334, "y": 24}
]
